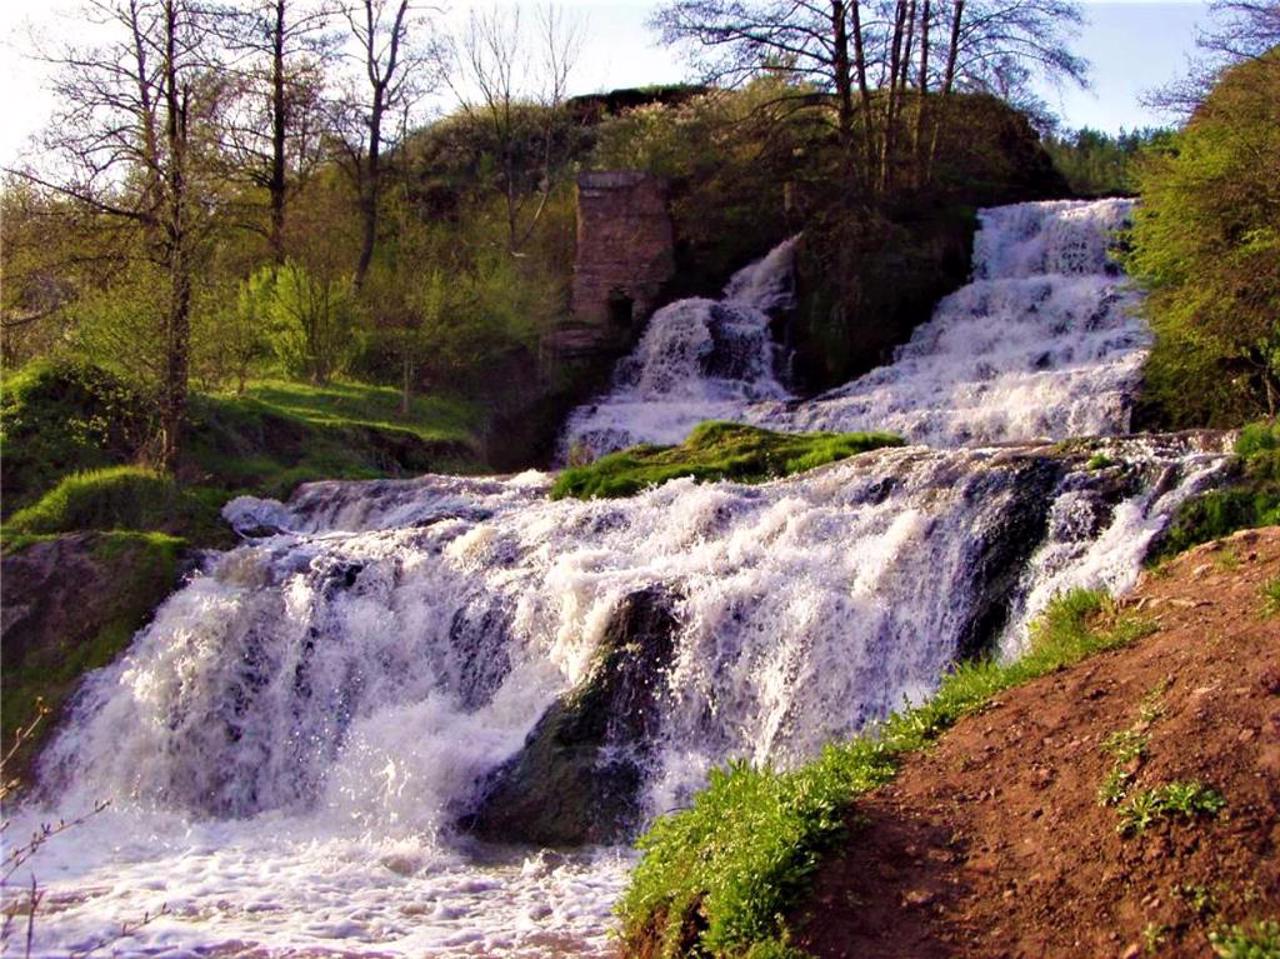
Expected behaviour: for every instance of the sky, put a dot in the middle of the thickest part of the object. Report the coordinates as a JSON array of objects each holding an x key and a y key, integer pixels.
[{"x": 1133, "y": 46}]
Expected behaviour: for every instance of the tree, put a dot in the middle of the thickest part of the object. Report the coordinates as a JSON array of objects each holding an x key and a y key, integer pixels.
[
  {"x": 887, "y": 54},
  {"x": 1206, "y": 245},
  {"x": 273, "y": 134},
  {"x": 515, "y": 87},
  {"x": 129, "y": 150},
  {"x": 398, "y": 62}
]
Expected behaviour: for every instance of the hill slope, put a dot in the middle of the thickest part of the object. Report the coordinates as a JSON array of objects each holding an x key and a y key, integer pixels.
[{"x": 998, "y": 841}]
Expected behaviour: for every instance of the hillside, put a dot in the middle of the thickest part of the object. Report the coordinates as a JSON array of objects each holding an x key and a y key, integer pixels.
[{"x": 998, "y": 842}]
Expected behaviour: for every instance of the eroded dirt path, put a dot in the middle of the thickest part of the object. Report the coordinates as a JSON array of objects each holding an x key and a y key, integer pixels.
[{"x": 995, "y": 843}]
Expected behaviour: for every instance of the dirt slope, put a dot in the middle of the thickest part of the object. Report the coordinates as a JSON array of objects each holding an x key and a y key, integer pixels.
[{"x": 995, "y": 843}]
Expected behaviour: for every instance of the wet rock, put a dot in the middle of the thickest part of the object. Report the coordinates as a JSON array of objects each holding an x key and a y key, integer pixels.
[{"x": 578, "y": 776}]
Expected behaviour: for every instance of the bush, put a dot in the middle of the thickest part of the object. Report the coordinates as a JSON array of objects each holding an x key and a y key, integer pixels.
[
  {"x": 1206, "y": 246},
  {"x": 121, "y": 498},
  {"x": 714, "y": 451},
  {"x": 58, "y": 417},
  {"x": 718, "y": 878},
  {"x": 313, "y": 331}
]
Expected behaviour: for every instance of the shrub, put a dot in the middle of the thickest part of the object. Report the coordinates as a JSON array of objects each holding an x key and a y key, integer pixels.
[
  {"x": 313, "y": 330},
  {"x": 60, "y": 416}
]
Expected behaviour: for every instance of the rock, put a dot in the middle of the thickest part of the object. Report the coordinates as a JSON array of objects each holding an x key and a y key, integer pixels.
[{"x": 577, "y": 778}]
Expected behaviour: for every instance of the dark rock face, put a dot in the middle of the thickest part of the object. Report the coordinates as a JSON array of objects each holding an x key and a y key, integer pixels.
[{"x": 578, "y": 776}]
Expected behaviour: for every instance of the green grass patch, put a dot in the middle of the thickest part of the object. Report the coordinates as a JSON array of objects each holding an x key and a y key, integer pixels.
[
  {"x": 714, "y": 451},
  {"x": 345, "y": 404},
  {"x": 1177, "y": 800},
  {"x": 123, "y": 498},
  {"x": 1257, "y": 940},
  {"x": 718, "y": 878},
  {"x": 1250, "y": 501}
]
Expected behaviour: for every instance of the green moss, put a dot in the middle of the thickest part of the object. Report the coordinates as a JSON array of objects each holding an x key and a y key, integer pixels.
[
  {"x": 119, "y": 498},
  {"x": 1250, "y": 501},
  {"x": 714, "y": 451},
  {"x": 144, "y": 570},
  {"x": 718, "y": 878}
]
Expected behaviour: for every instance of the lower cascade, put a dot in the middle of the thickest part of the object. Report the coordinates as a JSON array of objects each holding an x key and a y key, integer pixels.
[{"x": 357, "y": 730}]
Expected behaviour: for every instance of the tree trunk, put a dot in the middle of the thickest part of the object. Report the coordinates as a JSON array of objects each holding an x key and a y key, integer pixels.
[
  {"x": 369, "y": 189},
  {"x": 844, "y": 86},
  {"x": 917, "y": 158},
  {"x": 278, "y": 185},
  {"x": 864, "y": 92},
  {"x": 178, "y": 341},
  {"x": 948, "y": 81}
]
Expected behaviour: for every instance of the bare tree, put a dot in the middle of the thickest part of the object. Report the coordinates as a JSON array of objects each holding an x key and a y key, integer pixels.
[
  {"x": 273, "y": 133},
  {"x": 884, "y": 50},
  {"x": 515, "y": 85},
  {"x": 128, "y": 148},
  {"x": 1239, "y": 30},
  {"x": 399, "y": 60}
]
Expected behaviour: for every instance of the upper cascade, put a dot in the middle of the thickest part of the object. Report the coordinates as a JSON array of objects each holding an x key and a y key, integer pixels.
[{"x": 1044, "y": 343}]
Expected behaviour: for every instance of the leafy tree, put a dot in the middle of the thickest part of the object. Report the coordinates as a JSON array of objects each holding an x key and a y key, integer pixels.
[
  {"x": 314, "y": 329},
  {"x": 1206, "y": 245}
]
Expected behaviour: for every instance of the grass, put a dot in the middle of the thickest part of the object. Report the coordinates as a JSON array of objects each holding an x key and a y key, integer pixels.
[
  {"x": 718, "y": 878},
  {"x": 714, "y": 451},
  {"x": 60, "y": 418},
  {"x": 1252, "y": 500},
  {"x": 1271, "y": 598},
  {"x": 345, "y": 404},
  {"x": 1257, "y": 940},
  {"x": 121, "y": 498},
  {"x": 144, "y": 569},
  {"x": 1177, "y": 800}
]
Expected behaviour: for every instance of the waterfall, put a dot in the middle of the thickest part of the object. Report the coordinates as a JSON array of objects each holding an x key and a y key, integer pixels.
[{"x": 290, "y": 745}]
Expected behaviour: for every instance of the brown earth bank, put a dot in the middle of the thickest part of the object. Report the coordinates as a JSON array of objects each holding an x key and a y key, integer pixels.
[{"x": 996, "y": 843}]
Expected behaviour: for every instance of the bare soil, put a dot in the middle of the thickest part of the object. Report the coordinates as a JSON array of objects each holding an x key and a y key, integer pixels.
[{"x": 995, "y": 842}]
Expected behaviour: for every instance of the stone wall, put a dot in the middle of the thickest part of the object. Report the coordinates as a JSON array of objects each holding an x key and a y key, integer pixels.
[{"x": 625, "y": 254}]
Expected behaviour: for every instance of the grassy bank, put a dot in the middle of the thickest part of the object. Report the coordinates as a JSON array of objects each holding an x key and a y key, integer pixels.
[
  {"x": 718, "y": 878},
  {"x": 63, "y": 423},
  {"x": 714, "y": 451}
]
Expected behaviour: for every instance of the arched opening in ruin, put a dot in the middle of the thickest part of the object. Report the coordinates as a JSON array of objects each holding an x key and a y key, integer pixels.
[{"x": 621, "y": 309}]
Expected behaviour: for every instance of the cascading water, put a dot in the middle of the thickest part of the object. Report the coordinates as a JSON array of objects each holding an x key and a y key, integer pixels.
[
  {"x": 289, "y": 746},
  {"x": 1044, "y": 343}
]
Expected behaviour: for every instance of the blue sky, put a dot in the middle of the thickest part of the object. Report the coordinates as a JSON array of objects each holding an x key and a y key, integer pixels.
[{"x": 1133, "y": 46}]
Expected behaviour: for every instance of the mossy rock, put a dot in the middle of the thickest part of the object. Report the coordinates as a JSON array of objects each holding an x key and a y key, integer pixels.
[
  {"x": 578, "y": 777},
  {"x": 72, "y": 603}
]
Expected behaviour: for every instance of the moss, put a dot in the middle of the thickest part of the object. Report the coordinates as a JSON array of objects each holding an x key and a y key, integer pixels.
[
  {"x": 140, "y": 569},
  {"x": 714, "y": 451},
  {"x": 1251, "y": 500},
  {"x": 124, "y": 497},
  {"x": 718, "y": 878}
]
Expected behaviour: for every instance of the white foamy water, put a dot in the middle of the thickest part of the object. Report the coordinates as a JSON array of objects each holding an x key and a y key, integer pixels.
[
  {"x": 289, "y": 745},
  {"x": 1044, "y": 343}
]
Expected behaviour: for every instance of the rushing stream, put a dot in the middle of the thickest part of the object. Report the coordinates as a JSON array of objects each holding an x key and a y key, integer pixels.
[{"x": 290, "y": 746}]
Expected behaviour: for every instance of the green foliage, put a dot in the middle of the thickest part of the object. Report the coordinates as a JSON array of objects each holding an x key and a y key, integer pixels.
[
  {"x": 714, "y": 451},
  {"x": 1206, "y": 246},
  {"x": 58, "y": 417},
  {"x": 1258, "y": 940},
  {"x": 1099, "y": 461},
  {"x": 1250, "y": 501},
  {"x": 122, "y": 498},
  {"x": 718, "y": 878},
  {"x": 313, "y": 329},
  {"x": 1176, "y": 800},
  {"x": 1097, "y": 164}
]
